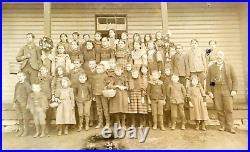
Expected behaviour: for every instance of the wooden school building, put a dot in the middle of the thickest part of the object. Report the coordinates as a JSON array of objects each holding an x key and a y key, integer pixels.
[{"x": 225, "y": 23}]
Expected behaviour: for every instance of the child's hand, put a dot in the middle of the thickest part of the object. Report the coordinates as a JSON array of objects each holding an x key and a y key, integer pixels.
[
  {"x": 164, "y": 102},
  {"x": 43, "y": 57},
  {"x": 93, "y": 99}
]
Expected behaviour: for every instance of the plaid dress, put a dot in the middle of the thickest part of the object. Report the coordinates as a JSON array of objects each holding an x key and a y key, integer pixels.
[{"x": 136, "y": 94}]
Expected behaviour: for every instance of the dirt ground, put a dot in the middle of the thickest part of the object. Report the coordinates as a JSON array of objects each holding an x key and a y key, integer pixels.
[{"x": 178, "y": 139}]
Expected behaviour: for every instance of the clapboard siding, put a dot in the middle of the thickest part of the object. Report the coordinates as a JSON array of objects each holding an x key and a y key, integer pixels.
[
  {"x": 17, "y": 21},
  {"x": 218, "y": 22},
  {"x": 142, "y": 18}
]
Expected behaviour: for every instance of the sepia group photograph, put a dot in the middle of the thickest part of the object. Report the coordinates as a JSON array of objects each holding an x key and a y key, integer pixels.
[{"x": 125, "y": 75}]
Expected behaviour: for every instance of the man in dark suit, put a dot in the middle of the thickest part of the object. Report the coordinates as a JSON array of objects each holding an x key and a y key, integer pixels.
[
  {"x": 30, "y": 56},
  {"x": 222, "y": 86}
]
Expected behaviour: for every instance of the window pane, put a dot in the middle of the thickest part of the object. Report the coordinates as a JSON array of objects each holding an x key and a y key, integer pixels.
[
  {"x": 120, "y": 21},
  {"x": 102, "y": 20},
  {"x": 111, "y": 21}
]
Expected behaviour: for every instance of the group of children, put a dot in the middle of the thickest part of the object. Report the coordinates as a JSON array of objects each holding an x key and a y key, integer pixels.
[{"x": 150, "y": 80}]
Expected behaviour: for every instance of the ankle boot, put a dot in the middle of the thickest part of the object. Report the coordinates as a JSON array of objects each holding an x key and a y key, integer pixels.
[
  {"x": 173, "y": 124},
  {"x": 59, "y": 130},
  {"x": 37, "y": 131},
  {"x": 142, "y": 121},
  {"x": 161, "y": 123},
  {"x": 26, "y": 127},
  {"x": 183, "y": 126},
  {"x": 21, "y": 128},
  {"x": 86, "y": 123},
  {"x": 43, "y": 128},
  {"x": 197, "y": 125},
  {"x": 100, "y": 122},
  {"x": 203, "y": 126},
  {"x": 80, "y": 123},
  {"x": 154, "y": 122},
  {"x": 66, "y": 129},
  {"x": 107, "y": 122}
]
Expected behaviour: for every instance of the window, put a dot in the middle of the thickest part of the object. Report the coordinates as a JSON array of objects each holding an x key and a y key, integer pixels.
[{"x": 106, "y": 22}]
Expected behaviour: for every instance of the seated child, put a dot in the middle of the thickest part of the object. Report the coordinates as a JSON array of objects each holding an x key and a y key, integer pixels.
[
  {"x": 22, "y": 91},
  {"x": 38, "y": 104},
  {"x": 84, "y": 99},
  {"x": 177, "y": 93}
]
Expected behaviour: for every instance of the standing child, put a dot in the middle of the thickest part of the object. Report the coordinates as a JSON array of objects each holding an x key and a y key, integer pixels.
[
  {"x": 139, "y": 55},
  {"x": 75, "y": 37},
  {"x": 65, "y": 114},
  {"x": 112, "y": 39},
  {"x": 137, "y": 105},
  {"x": 45, "y": 81},
  {"x": 198, "y": 108},
  {"x": 154, "y": 57},
  {"x": 38, "y": 104},
  {"x": 74, "y": 79},
  {"x": 75, "y": 52},
  {"x": 118, "y": 105},
  {"x": 89, "y": 53},
  {"x": 121, "y": 54},
  {"x": 56, "y": 82},
  {"x": 105, "y": 54},
  {"x": 144, "y": 82},
  {"x": 22, "y": 90},
  {"x": 61, "y": 59},
  {"x": 166, "y": 78},
  {"x": 90, "y": 72},
  {"x": 177, "y": 93},
  {"x": 156, "y": 96},
  {"x": 65, "y": 42},
  {"x": 124, "y": 37},
  {"x": 84, "y": 99},
  {"x": 180, "y": 65},
  {"x": 98, "y": 85}
]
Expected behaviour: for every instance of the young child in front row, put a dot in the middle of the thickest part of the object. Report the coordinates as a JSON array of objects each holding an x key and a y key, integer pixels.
[
  {"x": 65, "y": 114},
  {"x": 156, "y": 96},
  {"x": 84, "y": 99},
  {"x": 198, "y": 108},
  {"x": 177, "y": 94},
  {"x": 45, "y": 81},
  {"x": 98, "y": 85},
  {"x": 137, "y": 106},
  {"x": 22, "y": 91},
  {"x": 118, "y": 105},
  {"x": 38, "y": 104},
  {"x": 166, "y": 78}
]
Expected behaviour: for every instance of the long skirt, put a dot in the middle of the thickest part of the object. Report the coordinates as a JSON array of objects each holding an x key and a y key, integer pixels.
[{"x": 136, "y": 105}]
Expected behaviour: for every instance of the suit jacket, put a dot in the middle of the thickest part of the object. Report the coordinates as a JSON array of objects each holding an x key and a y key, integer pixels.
[
  {"x": 35, "y": 56},
  {"x": 179, "y": 64},
  {"x": 197, "y": 61},
  {"x": 231, "y": 78},
  {"x": 176, "y": 92}
]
